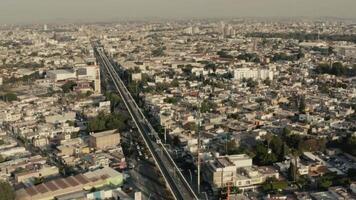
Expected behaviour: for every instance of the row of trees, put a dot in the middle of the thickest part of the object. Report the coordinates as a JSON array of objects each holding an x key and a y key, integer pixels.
[
  {"x": 249, "y": 57},
  {"x": 347, "y": 144},
  {"x": 8, "y": 97},
  {"x": 25, "y": 78},
  {"x": 274, "y": 148},
  {"x": 337, "y": 69},
  {"x": 287, "y": 57}
]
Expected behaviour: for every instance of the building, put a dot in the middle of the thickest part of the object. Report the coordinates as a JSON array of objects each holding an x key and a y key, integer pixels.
[
  {"x": 8, "y": 167},
  {"x": 88, "y": 73},
  {"x": 236, "y": 170},
  {"x": 253, "y": 73},
  {"x": 13, "y": 151},
  {"x": 43, "y": 171},
  {"x": 108, "y": 194},
  {"x": 60, "y": 118},
  {"x": 104, "y": 140},
  {"x": 72, "y": 184},
  {"x": 61, "y": 75}
]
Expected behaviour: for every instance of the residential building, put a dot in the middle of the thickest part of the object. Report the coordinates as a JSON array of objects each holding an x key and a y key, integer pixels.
[
  {"x": 236, "y": 170},
  {"x": 104, "y": 140},
  {"x": 253, "y": 73}
]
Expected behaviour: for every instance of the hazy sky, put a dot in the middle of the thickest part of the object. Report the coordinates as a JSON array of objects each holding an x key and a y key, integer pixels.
[{"x": 37, "y": 11}]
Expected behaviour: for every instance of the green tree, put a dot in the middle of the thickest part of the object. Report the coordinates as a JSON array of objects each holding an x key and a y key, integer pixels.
[
  {"x": 274, "y": 185},
  {"x": 68, "y": 86},
  {"x": 251, "y": 83},
  {"x": 38, "y": 180},
  {"x": 324, "y": 183},
  {"x": 293, "y": 168},
  {"x": 2, "y": 159},
  {"x": 207, "y": 106},
  {"x": 286, "y": 132},
  {"x": 279, "y": 148},
  {"x": 233, "y": 148},
  {"x": 175, "y": 83},
  {"x": 107, "y": 122},
  {"x": 171, "y": 100},
  {"x": 263, "y": 155},
  {"x": 114, "y": 99},
  {"x": 267, "y": 81},
  {"x": 9, "y": 97},
  {"x": 302, "y": 105},
  {"x": 6, "y": 191}
]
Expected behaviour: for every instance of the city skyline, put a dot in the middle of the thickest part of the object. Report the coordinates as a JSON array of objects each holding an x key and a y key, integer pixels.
[{"x": 38, "y": 11}]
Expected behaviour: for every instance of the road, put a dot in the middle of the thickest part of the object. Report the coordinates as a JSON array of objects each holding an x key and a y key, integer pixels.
[{"x": 176, "y": 182}]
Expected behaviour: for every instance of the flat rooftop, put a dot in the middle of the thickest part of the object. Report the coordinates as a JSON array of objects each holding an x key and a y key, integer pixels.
[{"x": 104, "y": 133}]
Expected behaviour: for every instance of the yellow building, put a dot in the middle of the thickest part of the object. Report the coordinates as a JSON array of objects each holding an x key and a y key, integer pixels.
[{"x": 104, "y": 140}]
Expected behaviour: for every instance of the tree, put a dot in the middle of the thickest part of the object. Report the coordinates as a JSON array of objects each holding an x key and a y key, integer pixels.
[
  {"x": 263, "y": 155},
  {"x": 293, "y": 167},
  {"x": 158, "y": 51},
  {"x": 302, "y": 104},
  {"x": 175, "y": 83},
  {"x": 176, "y": 140},
  {"x": 114, "y": 99},
  {"x": 2, "y": 159},
  {"x": 327, "y": 180},
  {"x": 210, "y": 66},
  {"x": 233, "y": 148},
  {"x": 324, "y": 183},
  {"x": 251, "y": 83},
  {"x": 224, "y": 54},
  {"x": 207, "y": 106},
  {"x": 279, "y": 148},
  {"x": 286, "y": 132},
  {"x": 351, "y": 173},
  {"x": 9, "y": 97},
  {"x": 267, "y": 81},
  {"x": 6, "y": 191},
  {"x": 274, "y": 185},
  {"x": 171, "y": 100},
  {"x": 38, "y": 180},
  {"x": 107, "y": 122},
  {"x": 68, "y": 86}
]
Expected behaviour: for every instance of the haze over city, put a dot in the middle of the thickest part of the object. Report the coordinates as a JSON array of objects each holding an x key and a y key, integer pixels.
[
  {"x": 177, "y": 99},
  {"x": 46, "y": 11}
]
